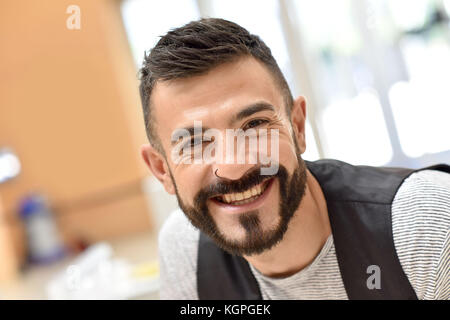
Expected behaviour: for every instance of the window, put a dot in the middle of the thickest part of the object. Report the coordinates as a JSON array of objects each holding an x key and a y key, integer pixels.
[{"x": 375, "y": 72}]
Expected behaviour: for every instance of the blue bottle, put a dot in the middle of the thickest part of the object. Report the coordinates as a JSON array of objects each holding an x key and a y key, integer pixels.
[{"x": 43, "y": 241}]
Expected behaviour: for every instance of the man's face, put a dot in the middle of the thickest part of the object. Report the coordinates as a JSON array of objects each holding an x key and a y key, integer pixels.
[{"x": 243, "y": 211}]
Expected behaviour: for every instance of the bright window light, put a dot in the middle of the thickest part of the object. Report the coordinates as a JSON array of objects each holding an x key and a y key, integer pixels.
[
  {"x": 409, "y": 14},
  {"x": 356, "y": 131},
  {"x": 311, "y": 153},
  {"x": 421, "y": 106},
  {"x": 328, "y": 23}
]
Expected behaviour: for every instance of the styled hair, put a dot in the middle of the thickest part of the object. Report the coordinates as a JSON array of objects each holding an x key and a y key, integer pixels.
[{"x": 195, "y": 49}]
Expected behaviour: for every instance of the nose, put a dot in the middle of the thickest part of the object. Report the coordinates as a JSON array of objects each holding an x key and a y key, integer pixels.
[
  {"x": 231, "y": 171},
  {"x": 236, "y": 157}
]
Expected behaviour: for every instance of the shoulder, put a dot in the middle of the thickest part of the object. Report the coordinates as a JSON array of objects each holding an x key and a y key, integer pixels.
[
  {"x": 423, "y": 200},
  {"x": 177, "y": 229},
  {"x": 341, "y": 181},
  {"x": 177, "y": 247},
  {"x": 420, "y": 225}
]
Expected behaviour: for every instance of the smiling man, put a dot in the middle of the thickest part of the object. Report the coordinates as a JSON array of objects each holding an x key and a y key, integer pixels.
[{"x": 307, "y": 230}]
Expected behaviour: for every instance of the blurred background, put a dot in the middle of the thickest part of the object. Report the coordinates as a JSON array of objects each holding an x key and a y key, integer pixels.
[{"x": 79, "y": 212}]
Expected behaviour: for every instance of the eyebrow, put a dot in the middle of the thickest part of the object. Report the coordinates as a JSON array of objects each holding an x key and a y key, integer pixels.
[
  {"x": 251, "y": 109},
  {"x": 244, "y": 113}
]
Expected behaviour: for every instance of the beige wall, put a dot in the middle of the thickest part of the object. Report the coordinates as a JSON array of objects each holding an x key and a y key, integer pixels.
[{"x": 69, "y": 107}]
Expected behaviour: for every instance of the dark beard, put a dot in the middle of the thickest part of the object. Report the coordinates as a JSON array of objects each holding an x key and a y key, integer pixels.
[{"x": 257, "y": 240}]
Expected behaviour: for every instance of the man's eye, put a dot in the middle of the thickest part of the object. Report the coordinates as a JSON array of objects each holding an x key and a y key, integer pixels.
[
  {"x": 255, "y": 123},
  {"x": 195, "y": 141}
]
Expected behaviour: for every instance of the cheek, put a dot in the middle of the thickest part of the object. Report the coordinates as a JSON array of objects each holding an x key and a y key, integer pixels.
[
  {"x": 287, "y": 152},
  {"x": 189, "y": 183}
]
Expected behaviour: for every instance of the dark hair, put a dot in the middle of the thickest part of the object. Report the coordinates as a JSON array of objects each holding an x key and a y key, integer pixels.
[{"x": 196, "y": 48}]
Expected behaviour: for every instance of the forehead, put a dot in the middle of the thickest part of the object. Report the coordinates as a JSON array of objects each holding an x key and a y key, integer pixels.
[{"x": 213, "y": 97}]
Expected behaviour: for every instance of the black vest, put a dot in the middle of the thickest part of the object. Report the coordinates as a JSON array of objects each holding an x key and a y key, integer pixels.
[{"x": 359, "y": 200}]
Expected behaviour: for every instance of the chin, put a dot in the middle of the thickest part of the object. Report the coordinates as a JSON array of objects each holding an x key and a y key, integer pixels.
[{"x": 234, "y": 230}]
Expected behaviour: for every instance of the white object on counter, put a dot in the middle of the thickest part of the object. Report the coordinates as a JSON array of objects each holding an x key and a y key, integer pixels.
[{"x": 94, "y": 274}]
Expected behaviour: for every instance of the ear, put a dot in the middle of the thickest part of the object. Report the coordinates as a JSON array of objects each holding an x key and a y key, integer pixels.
[
  {"x": 298, "y": 118},
  {"x": 157, "y": 164}
]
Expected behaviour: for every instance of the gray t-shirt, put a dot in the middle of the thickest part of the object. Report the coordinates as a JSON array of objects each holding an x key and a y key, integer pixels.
[{"x": 420, "y": 226}]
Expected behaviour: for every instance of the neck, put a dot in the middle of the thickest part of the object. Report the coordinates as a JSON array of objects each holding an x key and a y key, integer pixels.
[{"x": 307, "y": 232}]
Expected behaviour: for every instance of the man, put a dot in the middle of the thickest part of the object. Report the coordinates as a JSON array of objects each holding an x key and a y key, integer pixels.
[{"x": 306, "y": 230}]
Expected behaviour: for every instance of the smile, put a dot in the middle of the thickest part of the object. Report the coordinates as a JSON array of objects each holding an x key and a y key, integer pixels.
[{"x": 245, "y": 197}]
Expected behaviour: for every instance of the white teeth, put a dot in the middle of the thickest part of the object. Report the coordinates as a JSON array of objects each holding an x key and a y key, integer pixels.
[{"x": 244, "y": 197}]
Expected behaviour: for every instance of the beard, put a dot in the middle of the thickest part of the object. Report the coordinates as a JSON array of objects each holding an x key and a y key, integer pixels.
[{"x": 257, "y": 239}]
